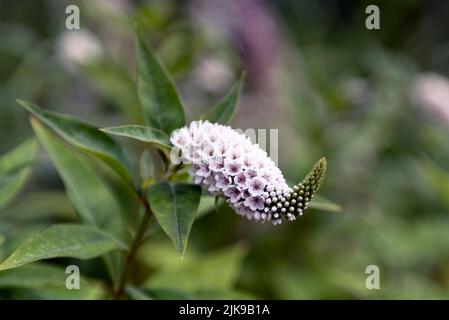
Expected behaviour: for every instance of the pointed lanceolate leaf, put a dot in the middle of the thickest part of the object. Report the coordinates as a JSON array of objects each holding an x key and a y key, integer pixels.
[
  {"x": 18, "y": 158},
  {"x": 49, "y": 281},
  {"x": 37, "y": 276},
  {"x": 141, "y": 133},
  {"x": 63, "y": 240},
  {"x": 93, "y": 200},
  {"x": 95, "y": 203},
  {"x": 177, "y": 294},
  {"x": 14, "y": 169},
  {"x": 137, "y": 293},
  {"x": 320, "y": 203},
  {"x": 161, "y": 105},
  {"x": 84, "y": 136},
  {"x": 224, "y": 110},
  {"x": 216, "y": 270},
  {"x": 175, "y": 207},
  {"x": 146, "y": 166}
]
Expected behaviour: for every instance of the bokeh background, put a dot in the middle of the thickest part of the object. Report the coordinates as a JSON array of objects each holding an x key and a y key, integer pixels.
[{"x": 374, "y": 102}]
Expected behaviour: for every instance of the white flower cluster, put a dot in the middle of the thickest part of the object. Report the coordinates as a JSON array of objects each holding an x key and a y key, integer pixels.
[{"x": 229, "y": 165}]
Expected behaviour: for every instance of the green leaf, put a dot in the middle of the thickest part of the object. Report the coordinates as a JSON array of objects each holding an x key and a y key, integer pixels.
[
  {"x": 42, "y": 281},
  {"x": 225, "y": 109},
  {"x": 141, "y": 133},
  {"x": 14, "y": 169},
  {"x": 47, "y": 205},
  {"x": 19, "y": 157},
  {"x": 84, "y": 136},
  {"x": 321, "y": 203},
  {"x": 96, "y": 293},
  {"x": 286, "y": 278},
  {"x": 63, "y": 240},
  {"x": 94, "y": 201},
  {"x": 13, "y": 234},
  {"x": 217, "y": 270},
  {"x": 161, "y": 105},
  {"x": 137, "y": 294},
  {"x": 146, "y": 166},
  {"x": 175, "y": 207},
  {"x": 176, "y": 294},
  {"x": 112, "y": 81},
  {"x": 37, "y": 276}
]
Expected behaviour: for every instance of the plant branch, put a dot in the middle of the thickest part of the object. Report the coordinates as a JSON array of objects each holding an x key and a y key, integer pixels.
[
  {"x": 140, "y": 234},
  {"x": 136, "y": 242}
]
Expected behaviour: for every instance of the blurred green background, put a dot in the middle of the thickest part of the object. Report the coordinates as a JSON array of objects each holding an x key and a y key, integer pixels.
[{"x": 374, "y": 102}]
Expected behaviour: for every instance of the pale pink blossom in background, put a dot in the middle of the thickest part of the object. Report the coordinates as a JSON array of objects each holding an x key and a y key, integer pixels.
[
  {"x": 430, "y": 91},
  {"x": 213, "y": 74},
  {"x": 78, "y": 47}
]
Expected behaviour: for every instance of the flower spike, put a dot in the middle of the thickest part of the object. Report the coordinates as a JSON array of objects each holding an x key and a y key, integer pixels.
[
  {"x": 304, "y": 191},
  {"x": 229, "y": 165}
]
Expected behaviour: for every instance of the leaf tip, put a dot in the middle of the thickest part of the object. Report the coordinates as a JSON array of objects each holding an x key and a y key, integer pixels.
[
  {"x": 23, "y": 103},
  {"x": 29, "y": 106},
  {"x": 6, "y": 264}
]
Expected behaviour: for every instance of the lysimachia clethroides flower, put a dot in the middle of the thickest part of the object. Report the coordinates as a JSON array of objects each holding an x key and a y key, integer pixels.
[{"x": 229, "y": 165}]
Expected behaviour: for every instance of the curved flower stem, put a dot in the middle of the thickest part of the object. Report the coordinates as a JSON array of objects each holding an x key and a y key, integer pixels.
[{"x": 136, "y": 242}]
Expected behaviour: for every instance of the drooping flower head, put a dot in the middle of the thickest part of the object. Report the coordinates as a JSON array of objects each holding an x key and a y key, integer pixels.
[{"x": 229, "y": 165}]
